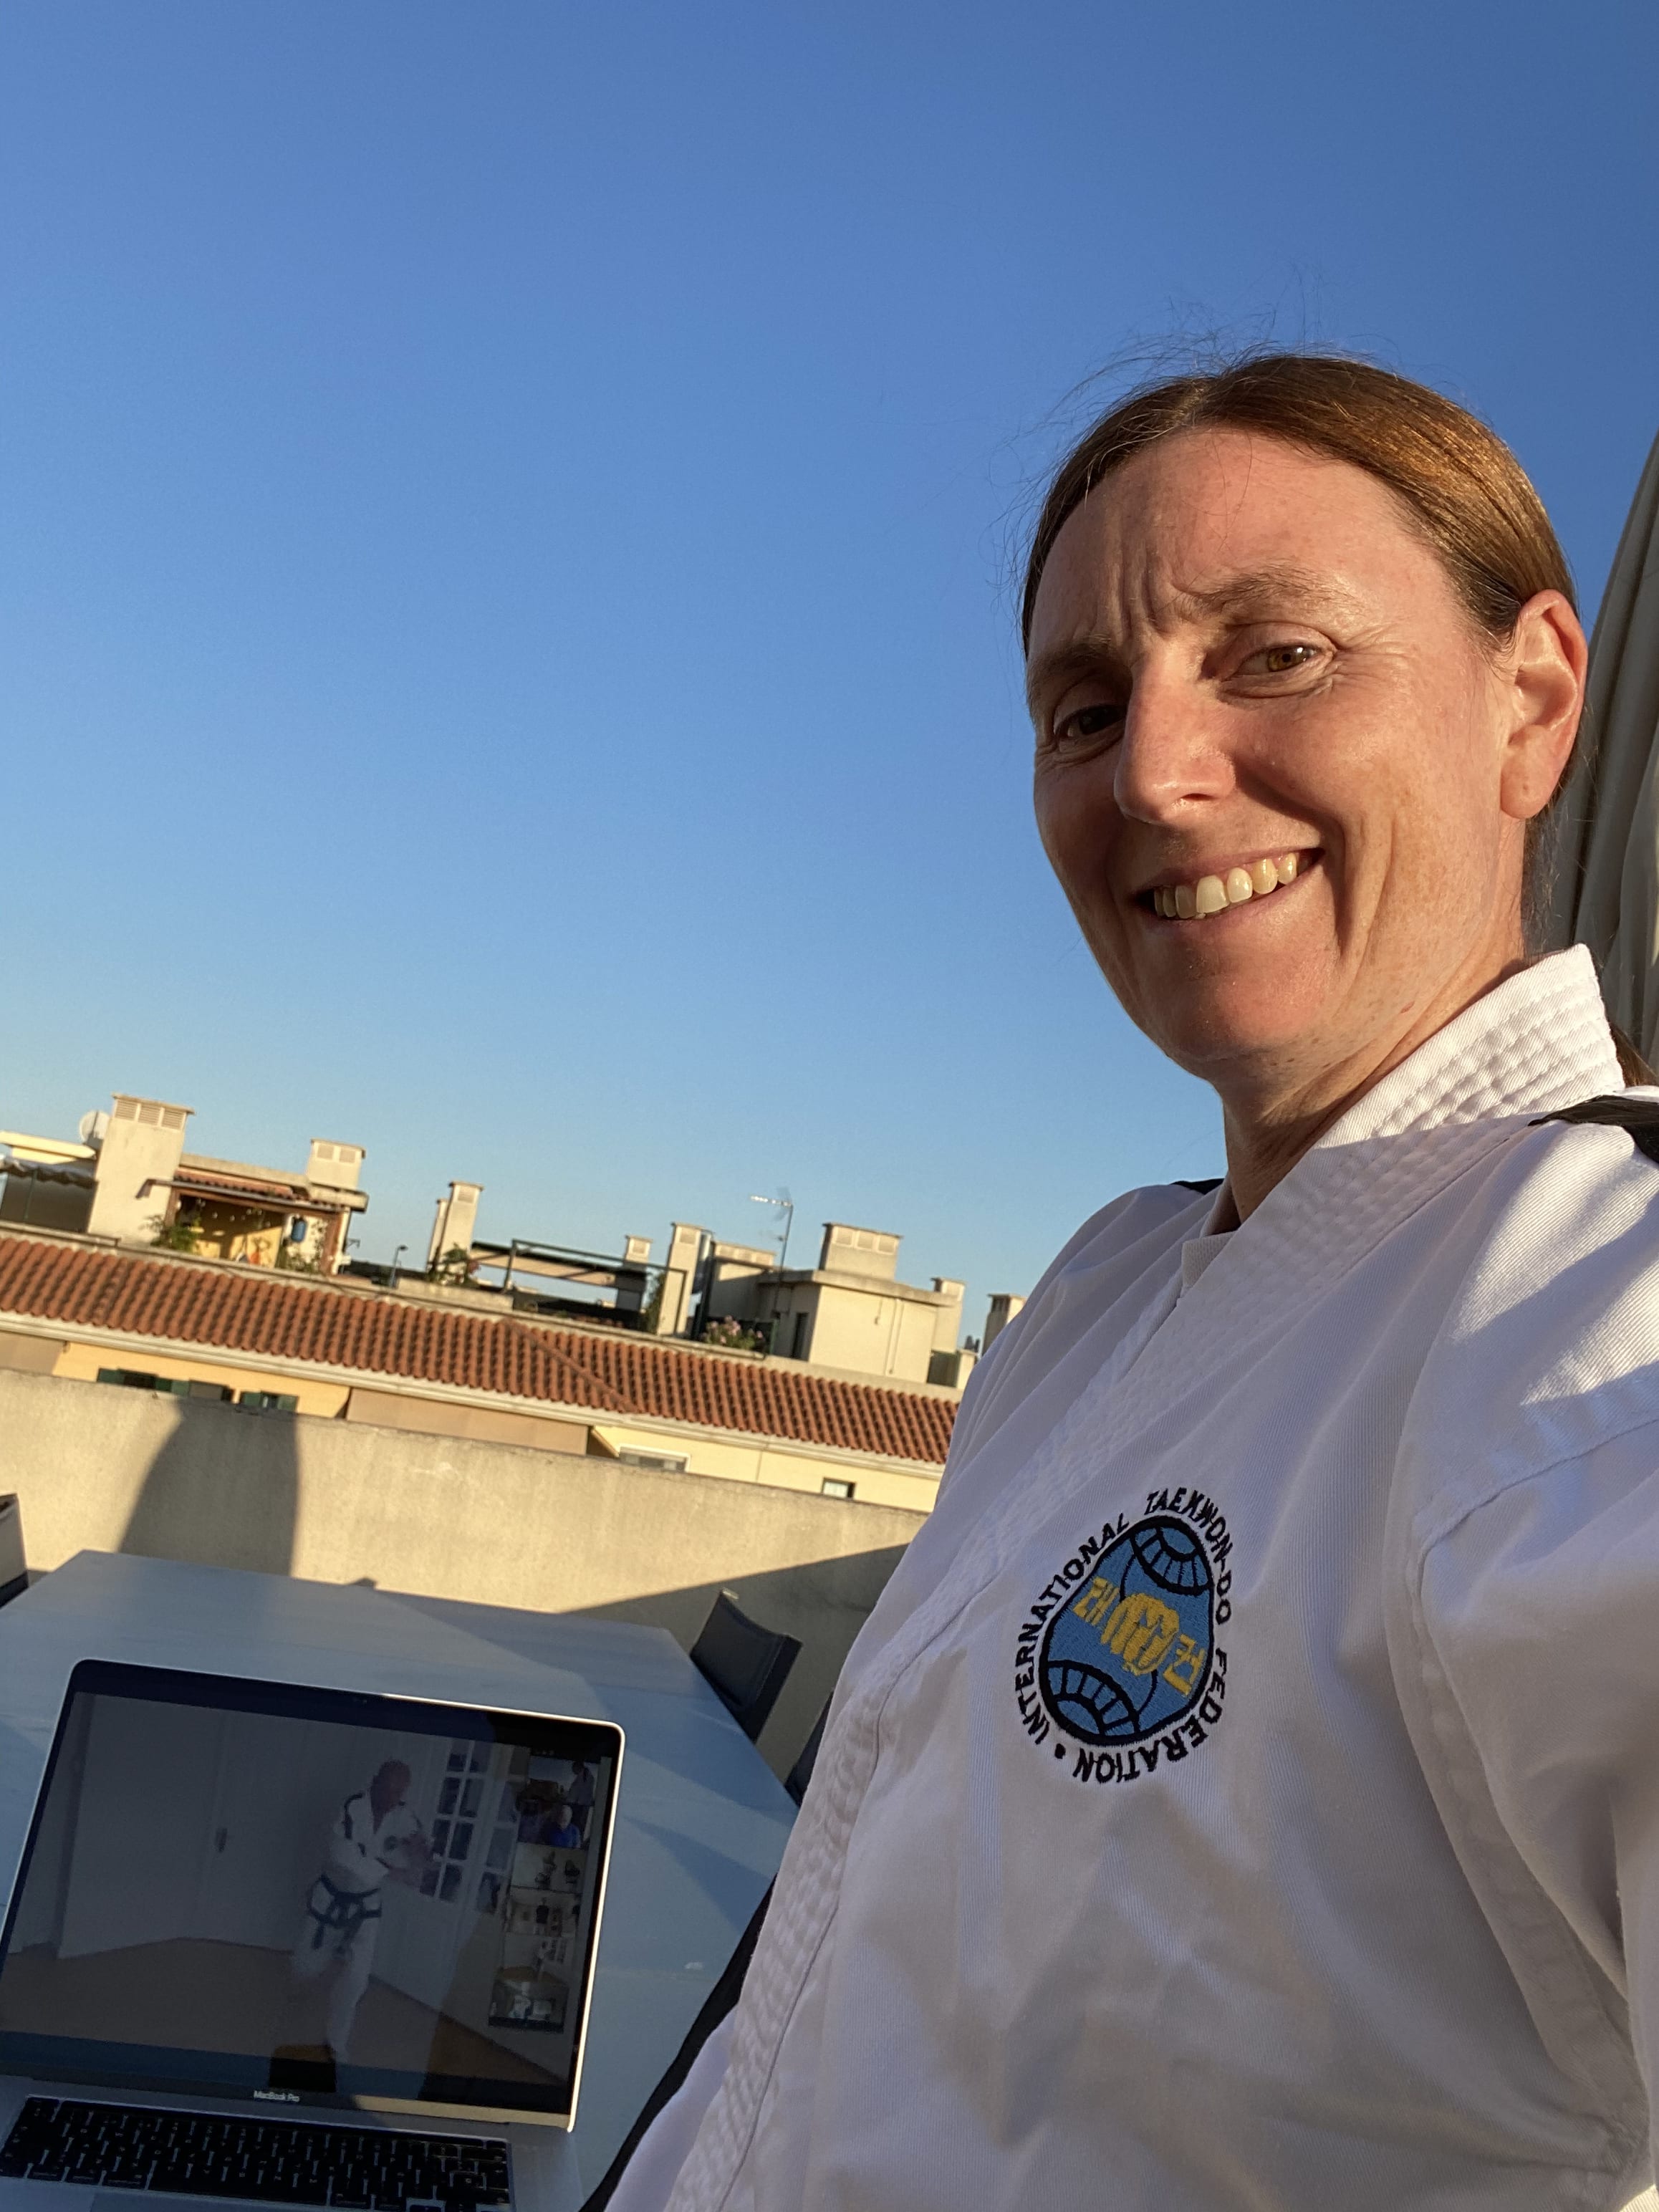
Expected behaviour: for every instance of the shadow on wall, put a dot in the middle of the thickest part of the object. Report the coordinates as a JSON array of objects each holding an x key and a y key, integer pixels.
[
  {"x": 825, "y": 1603},
  {"x": 220, "y": 1495}
]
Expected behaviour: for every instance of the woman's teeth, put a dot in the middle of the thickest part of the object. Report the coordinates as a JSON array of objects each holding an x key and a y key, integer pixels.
[{"x": 1215, "y": 894}]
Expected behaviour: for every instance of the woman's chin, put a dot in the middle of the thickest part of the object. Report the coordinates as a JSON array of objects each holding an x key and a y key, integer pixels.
[{"x": 1242, "y": 1031}]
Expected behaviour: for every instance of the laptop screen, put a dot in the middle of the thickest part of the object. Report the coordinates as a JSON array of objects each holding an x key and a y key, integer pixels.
[{"x": 238, "y": 1888}]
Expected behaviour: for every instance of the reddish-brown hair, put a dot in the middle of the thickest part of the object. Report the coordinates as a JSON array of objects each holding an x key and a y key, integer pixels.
[{"x": 1459, "y": 484}]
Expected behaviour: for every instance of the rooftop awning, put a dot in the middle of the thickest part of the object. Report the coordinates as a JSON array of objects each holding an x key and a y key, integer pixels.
[
  {"x": 38, "y": 1171},
  {"x": 270, "y": 1197},
  {"x": 1604, "y": 842}
]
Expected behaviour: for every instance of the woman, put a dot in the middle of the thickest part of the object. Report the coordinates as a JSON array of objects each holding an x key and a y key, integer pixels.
[{"x": 1245, "y": 1793}]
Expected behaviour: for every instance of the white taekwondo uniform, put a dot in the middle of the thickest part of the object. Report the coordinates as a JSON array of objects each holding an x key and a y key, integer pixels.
[
  {"x": 343, "y": 1907},
  {"x": 1246, "y": 1792}
]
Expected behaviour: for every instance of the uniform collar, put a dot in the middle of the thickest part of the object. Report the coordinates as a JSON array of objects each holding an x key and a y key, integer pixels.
[
  {"x": 1198, "y": 1251},
  {"x": 1535, "y": 1042}
]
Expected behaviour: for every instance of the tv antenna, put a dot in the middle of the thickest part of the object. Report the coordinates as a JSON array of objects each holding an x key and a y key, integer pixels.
[{"x": 783, "y": 1207}]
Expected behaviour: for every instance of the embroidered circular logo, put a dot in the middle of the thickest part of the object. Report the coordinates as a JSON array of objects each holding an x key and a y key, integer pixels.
[{"x": 1119, "y": 1650}]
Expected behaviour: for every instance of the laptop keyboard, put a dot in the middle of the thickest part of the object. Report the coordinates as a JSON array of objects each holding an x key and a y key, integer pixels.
[{"x": 277, "y": 2162}]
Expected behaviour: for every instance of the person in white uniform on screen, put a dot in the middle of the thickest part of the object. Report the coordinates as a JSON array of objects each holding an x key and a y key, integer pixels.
[
  {"x": 1244, "y": 1796},
  {"x": 375, "y": 1839}
]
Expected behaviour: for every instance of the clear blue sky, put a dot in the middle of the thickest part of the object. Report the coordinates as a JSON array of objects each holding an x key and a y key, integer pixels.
[{"x": 505, "y": 637}]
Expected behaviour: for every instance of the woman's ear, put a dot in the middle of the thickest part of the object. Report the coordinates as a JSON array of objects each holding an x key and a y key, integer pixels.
[{"x": 1544, "y": 668}]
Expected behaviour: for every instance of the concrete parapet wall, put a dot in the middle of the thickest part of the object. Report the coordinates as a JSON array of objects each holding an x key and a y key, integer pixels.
[{"x": 101, "y": 1468}]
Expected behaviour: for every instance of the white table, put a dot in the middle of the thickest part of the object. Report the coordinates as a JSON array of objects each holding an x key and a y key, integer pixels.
[{"x": 701, "y": 1820}]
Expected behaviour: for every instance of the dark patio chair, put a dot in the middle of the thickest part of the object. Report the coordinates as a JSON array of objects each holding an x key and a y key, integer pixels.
[
  {"x": 745, "y": 1664},
  {"x": 801, "y": 1773},
  {"x": 14, "y": 1568}
]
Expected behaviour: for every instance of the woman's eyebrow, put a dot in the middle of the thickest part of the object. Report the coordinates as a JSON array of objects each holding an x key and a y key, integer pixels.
[
  {"x": 1090, "y": 655},
  {"x": 1271, "y": 590}
]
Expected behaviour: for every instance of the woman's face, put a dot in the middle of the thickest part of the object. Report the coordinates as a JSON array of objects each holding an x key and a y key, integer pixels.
[{"x": 1243, "y": 658}]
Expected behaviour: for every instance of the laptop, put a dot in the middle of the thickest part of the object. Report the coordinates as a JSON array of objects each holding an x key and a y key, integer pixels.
[{"x": 278, "y": 1945}]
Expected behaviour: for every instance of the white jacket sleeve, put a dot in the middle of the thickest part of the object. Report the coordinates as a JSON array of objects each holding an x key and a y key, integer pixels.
[
  {"x": 651, "y": 2173},
  {"x": 1538, "y": 1641}
]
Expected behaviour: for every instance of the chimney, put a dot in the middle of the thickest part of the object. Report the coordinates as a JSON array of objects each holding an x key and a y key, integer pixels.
[
  {"x": 336, "y": 1167},
  {"x": 679, "y": 1279},
  {"x": 849, "y": 1251},
  {"x": 631, "y": 1277},
  {"x": 1004, "y": 1306},
  {"x": 947, "y": 1319},
  {"x": 952, "y": 1369},
  {"x": 457, "y": 1220},
  {"x": 132, "y": 1186}
]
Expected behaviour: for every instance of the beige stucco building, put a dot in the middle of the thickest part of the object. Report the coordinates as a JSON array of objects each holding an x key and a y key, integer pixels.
[
  {"x": 850, "y": 1314},
  {"x": 128, "y": 1177}
]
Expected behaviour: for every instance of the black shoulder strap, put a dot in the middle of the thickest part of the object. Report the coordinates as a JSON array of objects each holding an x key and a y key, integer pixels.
[{"x": 1638, "y": 1116}]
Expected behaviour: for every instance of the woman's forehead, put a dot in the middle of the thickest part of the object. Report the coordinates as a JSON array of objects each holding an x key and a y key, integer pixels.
[{"x": 1226, "y": 521}]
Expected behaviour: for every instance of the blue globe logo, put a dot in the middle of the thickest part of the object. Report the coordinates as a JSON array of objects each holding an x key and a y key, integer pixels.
[{"x": 1130, "y": 1653}]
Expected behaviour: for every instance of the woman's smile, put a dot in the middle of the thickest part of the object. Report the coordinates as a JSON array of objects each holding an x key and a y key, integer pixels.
[{"x": 1201, "y": 894}]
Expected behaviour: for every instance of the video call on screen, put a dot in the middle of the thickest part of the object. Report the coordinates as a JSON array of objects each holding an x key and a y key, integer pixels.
[{"x": 316, "y": 1894}]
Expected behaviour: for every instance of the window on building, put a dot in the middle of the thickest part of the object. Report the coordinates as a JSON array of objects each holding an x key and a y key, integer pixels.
[
  {"x": 169, "y": 1386},
  {"x": 833, "y": 1486},
  {"x": 269, "y": 1401},
  {"x": 666, "y": 1462},
  {"x": 124, "y": 1379},
  {"x": 803, "y": 1330}
]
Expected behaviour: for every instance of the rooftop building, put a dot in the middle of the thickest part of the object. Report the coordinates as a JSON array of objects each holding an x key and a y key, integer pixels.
[
  {"x": 128, "y": 1176},
  {"x": 849, "y": 1315},
  {"x": 717, "y": 1359},
  {"x": 422, "y": 1358}
]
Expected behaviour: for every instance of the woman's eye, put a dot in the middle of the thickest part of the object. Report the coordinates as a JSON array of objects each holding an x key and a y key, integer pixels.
[
  {"x": 1085, "y": 723},
  {"x": 1281, "y": 660}
]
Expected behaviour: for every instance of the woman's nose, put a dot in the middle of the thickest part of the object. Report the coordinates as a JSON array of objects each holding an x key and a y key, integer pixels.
[{"x": 1173, "y": 752}]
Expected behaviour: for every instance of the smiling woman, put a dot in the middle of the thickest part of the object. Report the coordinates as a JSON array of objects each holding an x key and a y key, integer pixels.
[
  {"x": 1243, "y": 1795},
  {"x": 1306, "y": 614}
]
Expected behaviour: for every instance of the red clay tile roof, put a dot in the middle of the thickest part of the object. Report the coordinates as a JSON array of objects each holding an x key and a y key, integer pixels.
[{"x": 274, "y": 1317}]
